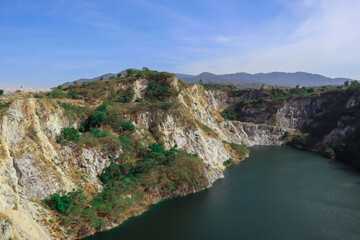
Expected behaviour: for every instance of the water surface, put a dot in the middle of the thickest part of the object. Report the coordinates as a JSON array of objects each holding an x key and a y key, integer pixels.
[{"x": 278, "y": 193}]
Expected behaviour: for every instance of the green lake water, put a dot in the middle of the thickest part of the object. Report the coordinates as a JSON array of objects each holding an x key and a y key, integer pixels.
[{"x": 277, "y": 193}]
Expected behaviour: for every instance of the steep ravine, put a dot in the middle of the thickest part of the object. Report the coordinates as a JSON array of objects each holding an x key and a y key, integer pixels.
[{"x": 35, "y": 165}]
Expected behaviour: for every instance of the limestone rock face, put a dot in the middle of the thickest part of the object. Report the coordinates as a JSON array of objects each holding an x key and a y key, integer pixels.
[
  {"x": 6, "y": 229},
  {"x": 93, "y": 162},
  {"x": 34, "y": 165},
  {"x": 298, "y": 113},
  {"x": 253, "y": 134},
  {"x": 295, "y": 113},
  {"x": 139, "y": 88},
  {"x": 206, "y": 137},
  {"x": 33, "y": 182}
]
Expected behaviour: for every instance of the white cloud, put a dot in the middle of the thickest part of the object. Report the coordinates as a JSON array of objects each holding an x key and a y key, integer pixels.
[{"x": 325, "y": 42}]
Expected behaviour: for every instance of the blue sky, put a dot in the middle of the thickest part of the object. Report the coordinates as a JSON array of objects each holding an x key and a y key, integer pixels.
[{"x": 47, "y": 42}]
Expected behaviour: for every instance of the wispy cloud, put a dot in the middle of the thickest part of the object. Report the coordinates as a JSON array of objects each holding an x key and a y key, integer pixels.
[{"x": 325, "y": 41}]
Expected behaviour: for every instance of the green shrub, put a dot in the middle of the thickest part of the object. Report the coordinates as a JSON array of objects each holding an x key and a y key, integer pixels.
[
  {"x": 102, "y": 107},
  {"x": 127, "y": 95},
  {"x": 73, "y": 112},
  {"x": 38, "y": 96},
  {"x": 157, "y": 91},
  {"x": 126, "y": 126},
  {"x": 168, "y": 105},
  {"x": 330, "y": 151},
  {"x": 98, "y": 133},
  {"x": 57, "y": 94},
  {"x": 228, "y": 162},
  {"x": 95, "y": 120},
  {"x": 125, "y": 140},
  {"x": 229, "y": 113},
  {"x": 70, "y": 134},
  {"x": 1, "y": 92},
  {"x": 59, "y": 203}
]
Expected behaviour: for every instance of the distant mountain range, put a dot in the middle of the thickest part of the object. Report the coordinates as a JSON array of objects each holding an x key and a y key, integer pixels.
[{"x": 247, "y": 80}]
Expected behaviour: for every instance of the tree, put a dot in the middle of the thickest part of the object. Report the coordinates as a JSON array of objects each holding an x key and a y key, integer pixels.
[
  {"x": 354, "y": 84},
  {"x": 101, "y": 78},
  {"x": 129, "y": 72},
  {"x": 201, "y": 81},
  {"x": 1, "y": 92},
  {"x": 346, "y": 83}
]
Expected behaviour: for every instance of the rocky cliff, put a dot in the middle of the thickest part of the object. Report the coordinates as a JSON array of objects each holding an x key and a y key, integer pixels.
[
  {"x": 35, "y": 163},
  {"x": 327, "y": 120}
]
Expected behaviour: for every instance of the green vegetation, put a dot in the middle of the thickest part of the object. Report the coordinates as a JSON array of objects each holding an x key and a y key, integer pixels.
[
  {"x": 57, "y": 93},
  {"x": 98, "y": 133},
  {"x": 159, "y": 88},
  {"x": 206, "y": 129},
  {"x": 73, "y": 112},
  {"x": 330, "y": 152},
  {"x": 328, "y": 119},
  {"x": 126, "y": 184},
  {"x": 126, "y": 126},
  {"x": 127, "y": 95},
  {"x": 228, "y": 162},
  {"x": 38, "y": 96},
  {"x": 270, "y": 99},
  {"x": 229, "y": 113},
  {"x": 1, "y": 92},
  {"x": 240, "y": 149},
  {"x": 3, "y": 108},
  {"x": 218, "y": 86},
  {"x": 238, "y": 152},
  {"x": 157, "y": 92},
  {"x": 95, "y": 120},
  {"x": 70, "y": 134},
  {"x": 32, "y": 133}
]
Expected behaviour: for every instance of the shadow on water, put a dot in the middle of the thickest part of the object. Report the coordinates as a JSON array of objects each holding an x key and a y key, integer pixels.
[{"x": 345, "y": 167}]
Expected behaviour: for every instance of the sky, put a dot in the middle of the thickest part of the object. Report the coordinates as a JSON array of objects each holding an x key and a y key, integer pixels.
[{"x": 44, "y": 43}]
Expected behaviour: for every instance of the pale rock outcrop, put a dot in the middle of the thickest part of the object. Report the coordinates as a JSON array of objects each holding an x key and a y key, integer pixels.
[
  {"x": 33, "y": 165},
  {"x": 94, "y": 161},
  {"x": 34, "y": 183},
  {"x": 297, "y": 113},
  {"x": 6, "y": 229},
  {"x": 252, "y": 134},
  {"x": 140, "y": 86}
]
